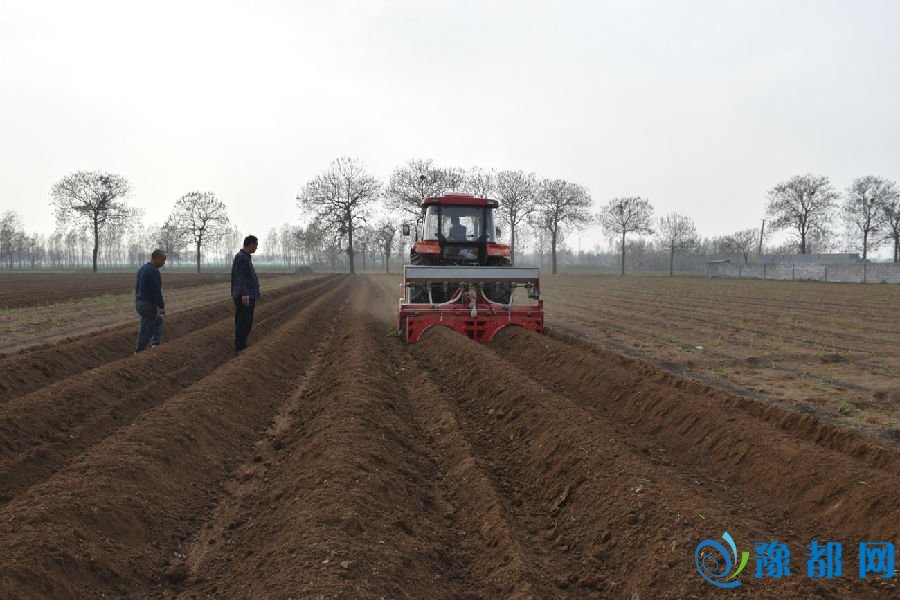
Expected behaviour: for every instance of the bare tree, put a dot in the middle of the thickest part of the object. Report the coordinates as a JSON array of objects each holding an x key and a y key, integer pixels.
[
  {"x": 341, "y": 197},
  {"x": 373, "y": 250},
  {"x": 454, "y": 179},
  {"x": 628, "y": 214},
  {"x": 741, "y": 242},
  {"x": 10, "y": 227},
  {"x": 480, "y": 183},
  {"x": 34, "y": 249},
  {"x": 804, "y": 203},
  {"x": 419, "y": 179},
  {"x": 676, "y": 232},
  {"x": 561, "y": 205},
  {"x": 314, "y": 241},
  {"x": 540, "y": 236},
  {"x": 91, "y": 198},
  {"x": 202, "y": 216},
  {"x": 224, "y": 244},
  {"x": 287, "y": 241},
  {"x": 272, "y": 246},
  {"x": 172, "y": 239},
  {"x": 71, "y": 242},
  {"x": 891, "y": 210},
  {"x": 112, "y": 241},
  {"x": 385, "y": 234},
  {"x": 55, "y": 251},
  {"x": 364, "y": 235},
  {"x": 517, "y": 192},
  {"x": 333, "y": 243},
  {"x": 864, "y": 208},
  {"x": 139, "y": 240}
]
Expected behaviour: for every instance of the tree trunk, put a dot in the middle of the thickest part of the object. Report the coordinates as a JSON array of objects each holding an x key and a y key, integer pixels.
[
  {"x": 349, "y": 220},
  {"x": 671, "y": 261},
  {"x": 865, "y": 244},
  {"x": 553, "y": 252},
  {"x": 198, "y": 255},
  {"x": 802, "y": 243},
  {"x": 96, "y": 243},
  {"x": 623, "y": 253},
  {"x": 512, "y": 246}
]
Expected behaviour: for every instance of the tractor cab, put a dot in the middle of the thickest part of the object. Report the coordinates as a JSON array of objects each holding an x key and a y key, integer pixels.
[
  {"x": 458, "y": 229},
  {"x": 459, "y": 223}
]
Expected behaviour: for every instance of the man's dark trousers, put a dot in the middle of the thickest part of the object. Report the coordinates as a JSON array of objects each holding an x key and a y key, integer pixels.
[
  {"x": 243, "y": 322},
  {"x": 151, "y": 325}
]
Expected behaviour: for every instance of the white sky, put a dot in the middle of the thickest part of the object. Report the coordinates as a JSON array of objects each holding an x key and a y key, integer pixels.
[{"x": 701, "y": 106}]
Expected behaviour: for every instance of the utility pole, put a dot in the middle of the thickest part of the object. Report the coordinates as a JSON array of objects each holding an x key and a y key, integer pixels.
[{"x": 762, "y": 232}]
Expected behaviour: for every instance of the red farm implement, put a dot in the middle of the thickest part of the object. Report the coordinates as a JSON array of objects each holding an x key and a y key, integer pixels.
[{"x": 471, "y": 305}]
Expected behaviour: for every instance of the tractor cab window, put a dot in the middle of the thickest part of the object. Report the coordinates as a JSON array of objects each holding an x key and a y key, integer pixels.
[{"x": 459, "y": 223}]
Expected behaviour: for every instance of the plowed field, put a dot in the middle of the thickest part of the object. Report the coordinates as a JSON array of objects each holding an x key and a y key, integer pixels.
[
  {"x": 330, "y": 461},
  {"x": 827, "y": 350},
  {"x": 54, "y": 312},
  {"x": 33, "y": 289}
]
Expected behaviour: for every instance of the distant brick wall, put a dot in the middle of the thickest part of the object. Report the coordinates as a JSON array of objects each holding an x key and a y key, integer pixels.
[{"x": 850, "y": 273}]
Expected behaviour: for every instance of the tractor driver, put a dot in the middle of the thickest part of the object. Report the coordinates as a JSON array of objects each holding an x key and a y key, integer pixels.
[{"x": 458, "y": 231}]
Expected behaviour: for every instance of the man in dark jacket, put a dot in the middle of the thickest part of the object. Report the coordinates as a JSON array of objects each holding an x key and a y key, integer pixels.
[
  {"x": 148, "y": 302},
  {"x": 244, "y": 291}
]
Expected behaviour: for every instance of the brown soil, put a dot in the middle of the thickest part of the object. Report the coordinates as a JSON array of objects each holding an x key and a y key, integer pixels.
[
  {"x": 28, "y": 326},
  {"x": 827, "y": 350},
  {"x": 331, "y": 461},
  {"x": 33, "y": 289}
]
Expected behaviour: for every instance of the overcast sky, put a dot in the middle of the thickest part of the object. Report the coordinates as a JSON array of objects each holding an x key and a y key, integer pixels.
[{"x": 701, "y": 106}]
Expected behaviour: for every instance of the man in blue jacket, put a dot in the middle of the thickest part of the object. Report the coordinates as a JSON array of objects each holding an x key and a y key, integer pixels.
[
  {"x": 244, "y": 291},
  {"x": 148, "y": 302}
]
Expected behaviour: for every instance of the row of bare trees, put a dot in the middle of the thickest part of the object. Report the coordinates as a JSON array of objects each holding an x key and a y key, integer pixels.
[
  {"x": 350, "y": 213},
  {"x": 552, "y": 206},
  {"x": 17, "y": 247},
  {"x": 345, "y": 195},
  {"x": 95, "y": 201},
  {"x": 808, "y": 205}
]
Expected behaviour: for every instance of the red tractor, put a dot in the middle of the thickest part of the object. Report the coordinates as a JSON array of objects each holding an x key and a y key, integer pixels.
[{"x": 460, "y": 275}]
